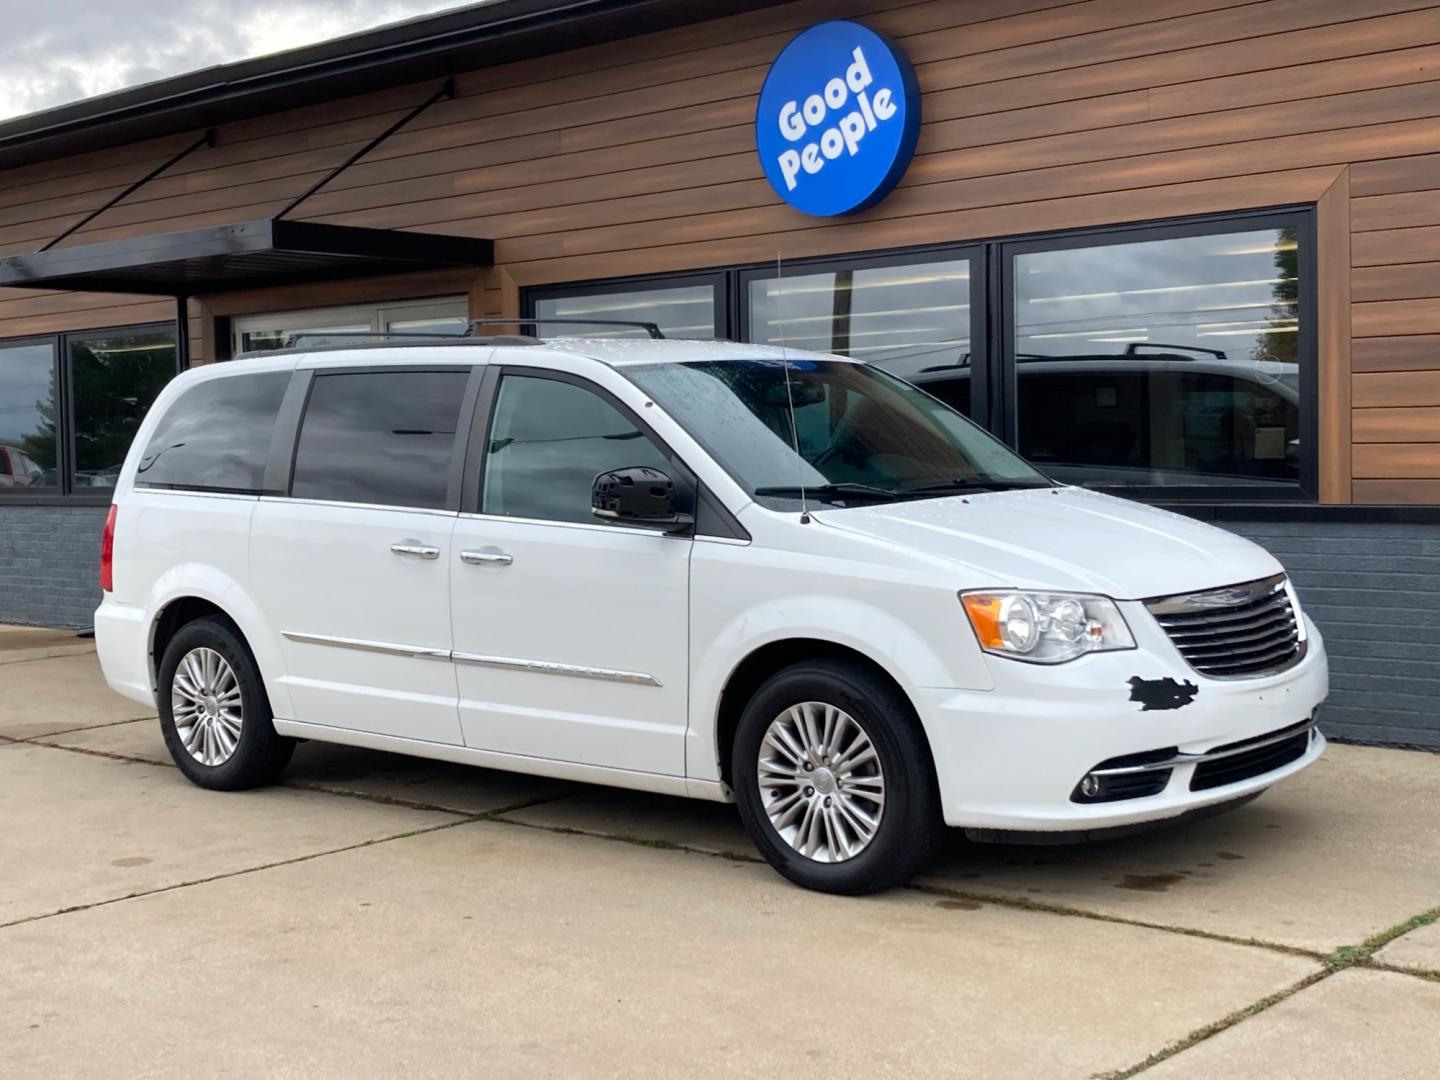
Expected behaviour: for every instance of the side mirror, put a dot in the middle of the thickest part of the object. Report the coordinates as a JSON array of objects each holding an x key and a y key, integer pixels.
[{"x": 637, "y": 495}]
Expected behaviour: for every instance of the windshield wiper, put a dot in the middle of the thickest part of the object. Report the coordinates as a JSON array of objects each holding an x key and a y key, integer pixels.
[
  {"x": 972, "y": 483},
  {"x": 833, "y": 491}
]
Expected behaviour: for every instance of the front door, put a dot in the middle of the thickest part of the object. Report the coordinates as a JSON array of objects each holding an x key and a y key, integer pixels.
[
  {"x": 570, "y": 635},
  {"x": 353, "y": 569}
]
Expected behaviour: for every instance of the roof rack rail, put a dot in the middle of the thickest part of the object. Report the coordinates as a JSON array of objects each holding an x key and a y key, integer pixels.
[
  {"x": 1133, "y": 349},
  {"x": 650, "y": 328},
  {"x": 380, "y": 335}
]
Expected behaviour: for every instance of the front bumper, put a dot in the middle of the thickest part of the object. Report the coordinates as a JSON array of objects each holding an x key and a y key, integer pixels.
[{"x": 1011, "y": 758}]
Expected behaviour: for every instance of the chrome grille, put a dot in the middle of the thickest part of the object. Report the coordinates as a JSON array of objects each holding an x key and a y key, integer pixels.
[{"x": 1234, "y": 632}]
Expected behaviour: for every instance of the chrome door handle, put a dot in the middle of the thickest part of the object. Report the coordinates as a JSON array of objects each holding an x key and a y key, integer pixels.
[
  {"x": 486, "y": 558},
  {"x": 417, "y": 548}
]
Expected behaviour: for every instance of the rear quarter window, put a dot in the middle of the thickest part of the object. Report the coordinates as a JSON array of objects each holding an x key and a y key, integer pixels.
[{"x": 216, "y": 435}]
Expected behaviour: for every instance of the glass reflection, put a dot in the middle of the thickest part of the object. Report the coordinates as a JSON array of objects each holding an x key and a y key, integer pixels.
[
  {"x": 1162, "y": 362},
  {"x": 115, "y": 378},
  {"x": 381, "y": 438},
  {"x": 216, "y": 435},
  {"x": 913, "y": 321},
  {"x": 27, "y": 417},
  {"x": 253, "y": 341},
  {"x": 686, "y": 311}
]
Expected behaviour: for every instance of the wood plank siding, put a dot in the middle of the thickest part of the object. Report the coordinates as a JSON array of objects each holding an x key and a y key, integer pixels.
[{"x": 638, "y": 157}]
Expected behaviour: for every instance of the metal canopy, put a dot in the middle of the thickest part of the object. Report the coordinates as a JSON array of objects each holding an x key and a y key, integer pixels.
[{"x": 253, "y": 254}]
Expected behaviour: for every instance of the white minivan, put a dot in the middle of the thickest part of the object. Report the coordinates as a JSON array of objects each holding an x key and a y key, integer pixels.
[{"x": 724, "y": 571}]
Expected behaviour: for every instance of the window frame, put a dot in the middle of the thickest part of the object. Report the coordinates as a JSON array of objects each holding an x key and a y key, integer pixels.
[
  {"x": 712, "y": 518},
  {"x": 993, "y": 390},
  {"x": 71, "y": 451},
  {"x": 1306, "y": 486},
  {"x": 65, "y": 493}
]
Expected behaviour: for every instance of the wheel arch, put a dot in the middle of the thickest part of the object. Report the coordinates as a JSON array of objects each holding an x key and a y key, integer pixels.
[
  {"x": 766, "y": 660},
  {"x": 183, "y": 597}
]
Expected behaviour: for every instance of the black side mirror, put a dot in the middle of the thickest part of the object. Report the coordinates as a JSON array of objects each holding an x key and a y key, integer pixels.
[{"x": 637, "y": 495}]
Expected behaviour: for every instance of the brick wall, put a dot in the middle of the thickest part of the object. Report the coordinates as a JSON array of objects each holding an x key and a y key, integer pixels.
[
  {"x": 1373, "y": 589},
  {"x": 50, "y": 564}
]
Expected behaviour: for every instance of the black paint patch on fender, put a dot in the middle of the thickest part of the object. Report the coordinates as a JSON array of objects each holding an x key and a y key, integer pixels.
[{"x": 1166, "y": 693}]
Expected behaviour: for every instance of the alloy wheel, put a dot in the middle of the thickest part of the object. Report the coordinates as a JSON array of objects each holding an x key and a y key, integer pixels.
[
  {"x": 206, "y": 704},
  {"x": 821, "y": 782}
]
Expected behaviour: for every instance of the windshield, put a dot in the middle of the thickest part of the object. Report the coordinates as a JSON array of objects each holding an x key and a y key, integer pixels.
[{"x": 863, "y": 435}]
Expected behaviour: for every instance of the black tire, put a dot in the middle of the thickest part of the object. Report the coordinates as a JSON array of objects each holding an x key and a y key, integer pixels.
[
  {"x": 910, "y": 827},
  {"x": 260, "y": 755}
]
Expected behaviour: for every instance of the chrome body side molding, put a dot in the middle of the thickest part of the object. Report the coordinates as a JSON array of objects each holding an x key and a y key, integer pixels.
[
  {"x": 386, "y": 647},
  {"x": 543, "y": 667},
  {"x": 548, "y": 667}
]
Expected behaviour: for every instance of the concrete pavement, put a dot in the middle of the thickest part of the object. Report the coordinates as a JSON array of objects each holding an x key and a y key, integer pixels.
[{"x": 385, "y": 916}]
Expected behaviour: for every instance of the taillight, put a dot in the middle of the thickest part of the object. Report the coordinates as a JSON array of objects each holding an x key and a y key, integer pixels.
[{"x": 107, "y": 552}]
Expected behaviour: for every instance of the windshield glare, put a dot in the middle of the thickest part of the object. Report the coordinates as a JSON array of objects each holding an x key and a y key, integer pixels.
[{"x": 863, "y": 435}]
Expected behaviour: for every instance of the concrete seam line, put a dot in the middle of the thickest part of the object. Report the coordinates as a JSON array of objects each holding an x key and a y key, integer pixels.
[
  {"x": 1209, "y": 1031},
  {"x": 411, "y": 804},
  {"x": 622, "y": 838},
  {"x": 56, "y": 656},
  {"x": 241, "y": 872},
  {"x": 1401, "y": 969},
  {"x": 1024, "y": 904},
  {"x": 294, "y": 785},
  {"x": 88, "y": 727},
  {"x": 1363, "y": 954},
  {"x": 1378, "y": 941},
  {"x": 1334, "y": 962}
]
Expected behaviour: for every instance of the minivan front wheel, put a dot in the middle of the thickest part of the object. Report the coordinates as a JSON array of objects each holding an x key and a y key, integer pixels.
[
  {"x": 833, "y": 779},
  {"x": 214, "y": 713}
]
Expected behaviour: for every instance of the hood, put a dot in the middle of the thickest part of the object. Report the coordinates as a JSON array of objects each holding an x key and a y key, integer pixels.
[{"x": 1067, "y": 539}]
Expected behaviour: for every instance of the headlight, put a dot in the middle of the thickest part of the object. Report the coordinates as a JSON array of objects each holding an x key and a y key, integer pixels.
[{"x": 1045, "y": 628}]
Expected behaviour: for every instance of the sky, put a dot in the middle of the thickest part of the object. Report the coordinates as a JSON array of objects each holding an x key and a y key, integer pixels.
[{"x": 57, "y": 51}]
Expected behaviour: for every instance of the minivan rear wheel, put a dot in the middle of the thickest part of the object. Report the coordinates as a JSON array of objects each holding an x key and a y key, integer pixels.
[
  {"x": 833, "y": 779},
  {"x": 214, "y": 712}
]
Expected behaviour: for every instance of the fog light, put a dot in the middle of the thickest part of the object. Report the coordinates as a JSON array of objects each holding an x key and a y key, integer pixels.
[{"x": 1090, "y": 786}]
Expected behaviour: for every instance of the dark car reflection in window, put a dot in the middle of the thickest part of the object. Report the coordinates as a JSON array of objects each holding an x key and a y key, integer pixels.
[{"x": 1152, "y": 420}]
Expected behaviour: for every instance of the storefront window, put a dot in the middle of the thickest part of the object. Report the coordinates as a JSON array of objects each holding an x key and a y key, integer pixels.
[
  {"x": 681, "y": 311},
  {"x": 114, "y": 380},
  {"x": 1161, "y": 363},
  {"x": 910, "y": 320},
  {"x": 1173, "y": 360},
  {"x": 28, "y": 445}
]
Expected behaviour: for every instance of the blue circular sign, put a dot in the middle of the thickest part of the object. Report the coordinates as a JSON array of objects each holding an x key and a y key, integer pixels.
[{"x": 838, "y": 118}]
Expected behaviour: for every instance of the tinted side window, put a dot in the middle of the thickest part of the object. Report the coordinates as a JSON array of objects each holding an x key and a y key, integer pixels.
[
  {"x": 379, "y": 437},
  {"x": 548, "y": 442},
  {"x": 216, "y": 436}
]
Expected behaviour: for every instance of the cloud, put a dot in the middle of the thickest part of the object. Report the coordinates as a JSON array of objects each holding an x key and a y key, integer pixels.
[{"x": 56, "y": 52}]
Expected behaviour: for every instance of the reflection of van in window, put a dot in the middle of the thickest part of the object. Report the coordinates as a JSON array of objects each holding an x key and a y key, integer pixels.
[
  {"x": 1163, "y": 419},
  {"x": 607, "y": 560},
  {"x": 18, "y": 469}
]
